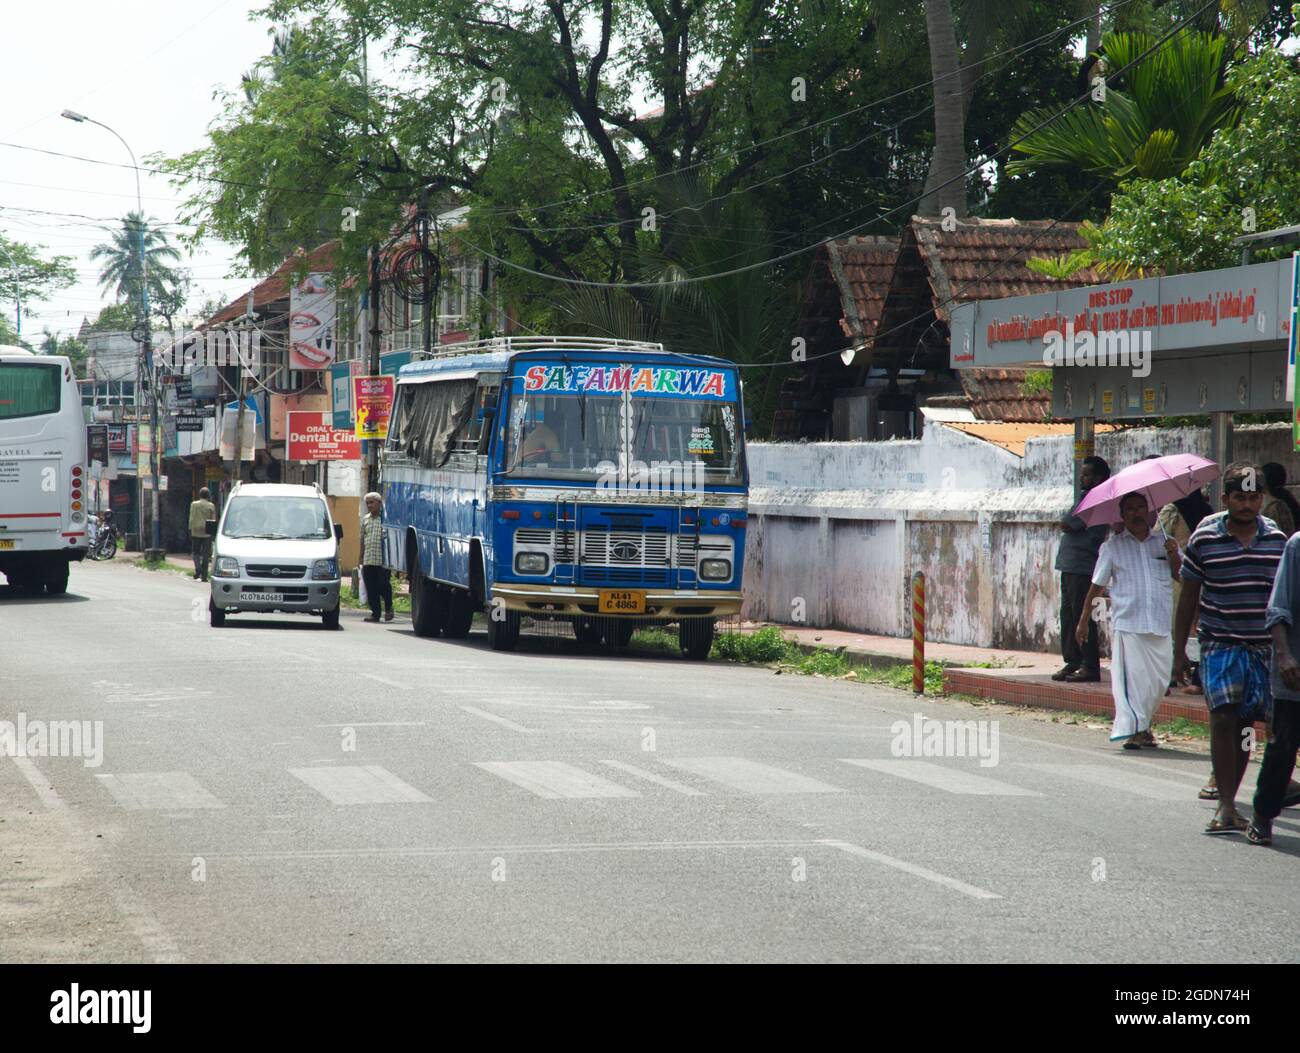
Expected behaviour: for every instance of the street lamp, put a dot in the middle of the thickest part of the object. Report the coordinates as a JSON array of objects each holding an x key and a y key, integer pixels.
[{"x": 156, "y": 552}]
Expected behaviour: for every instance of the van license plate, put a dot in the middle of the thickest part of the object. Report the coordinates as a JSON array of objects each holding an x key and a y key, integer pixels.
[
  {"x": 271, "y": 597},
  {"x": 622, "y": 601},
  {"x": 8, "y": 542}
]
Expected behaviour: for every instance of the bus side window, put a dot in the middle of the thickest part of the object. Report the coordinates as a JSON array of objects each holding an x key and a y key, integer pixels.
[
  {"x": 394, "y": 441},
  {"x": 484, "y": 415}
]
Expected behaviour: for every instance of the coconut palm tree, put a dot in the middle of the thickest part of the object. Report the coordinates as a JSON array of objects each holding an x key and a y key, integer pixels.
[
  {"x": 1152, "y": 126},
  {"x": 120, "y": 270}
]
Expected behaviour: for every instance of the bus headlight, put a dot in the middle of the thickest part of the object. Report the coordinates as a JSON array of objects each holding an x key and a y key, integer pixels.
[
  {"x": 227, "y": 567},
  {"x": 715, "y": 569},
  {"x": 532, "y": 563},
  {"x": 324, "y": 570}
]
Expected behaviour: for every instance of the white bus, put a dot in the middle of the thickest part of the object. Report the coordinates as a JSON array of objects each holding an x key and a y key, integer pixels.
[{"x": 43, "y": 492}]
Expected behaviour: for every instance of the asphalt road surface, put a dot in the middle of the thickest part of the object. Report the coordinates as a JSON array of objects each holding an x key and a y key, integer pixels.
[{"x": 272, "y": 791}]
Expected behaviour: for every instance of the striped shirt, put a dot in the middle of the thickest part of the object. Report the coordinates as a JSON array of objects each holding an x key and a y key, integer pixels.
[
  {"x": 1141, "y": 583},
  {"x": 1235, "y": 581},
  {"x": 372, "y": 540}
]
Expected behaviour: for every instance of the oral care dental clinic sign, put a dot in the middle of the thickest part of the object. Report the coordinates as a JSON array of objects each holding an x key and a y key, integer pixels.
[
  {"x": 311, "y": 324},
  {"x": 649, "y": 381},
  {"x": 311, "y": 436}
]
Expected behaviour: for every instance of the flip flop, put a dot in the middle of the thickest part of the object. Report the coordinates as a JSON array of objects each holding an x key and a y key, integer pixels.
[
  {"x": 1208, "y": 793},
  {"x": 1217, "y": 826}
]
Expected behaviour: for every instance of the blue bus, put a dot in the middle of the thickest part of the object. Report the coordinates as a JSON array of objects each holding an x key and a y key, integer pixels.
[{"x": 599, "y": 483}]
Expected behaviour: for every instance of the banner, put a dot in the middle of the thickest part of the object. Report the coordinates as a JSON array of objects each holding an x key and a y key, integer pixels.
[
  {"x": 313, "y": 437},
  {"x": 311, "y": 324},
  {"x": 373, "y": 399},
  {"x": 97, "y": 443},
  {"x": 118, "y": 441}
]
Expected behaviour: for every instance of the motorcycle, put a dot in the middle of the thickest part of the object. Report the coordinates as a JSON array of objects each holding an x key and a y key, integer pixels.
[{"x": 105, "y": 536}]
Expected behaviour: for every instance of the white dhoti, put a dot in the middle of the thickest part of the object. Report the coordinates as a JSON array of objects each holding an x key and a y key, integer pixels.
[{"x": 1140, "y": 668}]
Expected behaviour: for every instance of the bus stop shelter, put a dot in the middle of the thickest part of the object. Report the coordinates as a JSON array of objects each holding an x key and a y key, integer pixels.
[{"x": 1211, "y": 343}]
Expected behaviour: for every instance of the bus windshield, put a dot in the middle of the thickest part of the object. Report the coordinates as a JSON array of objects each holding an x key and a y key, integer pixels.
[
  {"x": 564, "y": 436},
  {"x": 29, "y": 389},
  {"x": 685, "y": 432}
]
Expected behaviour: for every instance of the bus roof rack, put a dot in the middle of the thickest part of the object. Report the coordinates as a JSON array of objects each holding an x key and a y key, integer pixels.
[{"x": 531, "y": 343}]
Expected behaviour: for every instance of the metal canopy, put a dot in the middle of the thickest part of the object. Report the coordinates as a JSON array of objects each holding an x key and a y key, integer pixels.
[{"x": 1214, "y": 341}]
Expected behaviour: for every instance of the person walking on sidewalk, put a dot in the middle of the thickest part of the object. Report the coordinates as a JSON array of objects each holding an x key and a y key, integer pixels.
[
  {"x": 202, "y": 512},
  {"x": 379, "y": 585},
  {"x": 1138, "y": 566},
  {"x": 1075, "y": 559},
  {"x": 1228, "y": 574}
]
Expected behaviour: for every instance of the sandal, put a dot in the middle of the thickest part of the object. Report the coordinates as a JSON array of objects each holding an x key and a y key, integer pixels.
[
  {"x": 1260, "y": 832},
  {"x": 1218, "y": 826},
  {"x": 1132, "y": 743},
  {"x": 1209, "y": 793}
]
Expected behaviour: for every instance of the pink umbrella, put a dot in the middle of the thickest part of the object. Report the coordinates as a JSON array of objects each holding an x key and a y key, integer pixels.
[{"x": 1160, "y": 480}]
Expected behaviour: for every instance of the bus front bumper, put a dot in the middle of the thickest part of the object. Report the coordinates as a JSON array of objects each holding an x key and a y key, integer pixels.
[{"x": 578, "y": 600}]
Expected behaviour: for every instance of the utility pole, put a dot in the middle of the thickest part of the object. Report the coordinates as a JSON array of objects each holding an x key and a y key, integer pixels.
[
  {"x": 426, "y": 278},
  {"x": 372, "y": 305}
]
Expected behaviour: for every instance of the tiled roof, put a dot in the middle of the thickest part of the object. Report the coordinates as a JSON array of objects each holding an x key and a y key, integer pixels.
[
  {"x": 845, "y": 290},
  {"x": 1012, "y": 437},
  {"x": 276, "y": 287},
  {"x": 997, "y": 395},
  {"x": 984, "y": 259}
]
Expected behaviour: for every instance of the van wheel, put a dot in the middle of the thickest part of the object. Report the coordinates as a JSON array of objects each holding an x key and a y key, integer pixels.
[
  {"x": 695, "y": 637},
  {"x": 503, "y": 635},
  {"x": 330, "y": 619},
  {"x": 216, "y": 616},
  {"x": 56, "y": 580},
  {"x": 428, "y": 608},
  {"x": 460, "y": 615}
]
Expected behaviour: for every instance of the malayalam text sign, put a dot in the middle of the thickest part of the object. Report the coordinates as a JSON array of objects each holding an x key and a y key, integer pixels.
[
  {"x": 372, "y": 398},
  {"x": 313, "y": 437}
]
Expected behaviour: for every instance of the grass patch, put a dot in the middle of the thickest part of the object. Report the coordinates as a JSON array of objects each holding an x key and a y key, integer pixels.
[
  {"x": 1185, "y": 727},
  {"x": 347, "y": 598},
  {"x": 162, "y": 564},
  {"x": 768, "y": 644},
  {"x": 900, "y": 677},
  {"x": 657, "y": 639}
]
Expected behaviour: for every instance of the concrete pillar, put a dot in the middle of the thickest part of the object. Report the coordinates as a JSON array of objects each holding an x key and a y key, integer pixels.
[
  {"x": 826, "y": 579},
  {"x": 1220, "y": 451},
  {"x": 1084, "y": 446}
]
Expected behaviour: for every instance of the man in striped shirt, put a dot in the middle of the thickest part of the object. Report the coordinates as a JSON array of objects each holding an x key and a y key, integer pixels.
[{"x": 1228, "y": 571}]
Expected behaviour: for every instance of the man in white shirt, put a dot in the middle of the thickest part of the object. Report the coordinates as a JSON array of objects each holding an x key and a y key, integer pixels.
[{"x": 1139, "y": 566}]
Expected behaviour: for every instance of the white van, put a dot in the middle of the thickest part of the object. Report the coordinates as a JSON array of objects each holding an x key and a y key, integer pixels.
[{"x": 276, "y": 549}]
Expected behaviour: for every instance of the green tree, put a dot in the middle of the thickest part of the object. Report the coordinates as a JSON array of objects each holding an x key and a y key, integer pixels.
[
  {"x": 69, "y": 346},
  {"x": 27, "y": 274}
]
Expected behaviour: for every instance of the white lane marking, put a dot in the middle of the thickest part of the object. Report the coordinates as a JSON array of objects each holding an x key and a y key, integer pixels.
[
  {"x": 942, "y": 777},
  {"x": 497, "y": 720},
  {"x": 926, "y": 874},
  {"x": 359, "y": 784},
  {"x": 386, "y": 682},
  {"x": 173, "y": 790},
  {"x": 369, "y": 724},
  {"x": 658, "y": 780},
  {"x": 145, "y": 927},
  {"x": 553, "y": 779},
  {"x": 1114, "y": 779},
  {"x": 127, "y": 610},
  {"x": 475, "y": 850},
  {"x": 750, "y": 776}
]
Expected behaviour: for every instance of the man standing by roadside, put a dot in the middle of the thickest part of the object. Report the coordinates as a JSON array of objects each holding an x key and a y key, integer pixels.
[
  {"x": 379, "y": 585},
  {"x": 1075, "y": 559},
  {"x": 1138, "y": 566},
  {"x": 202, "y": 512},
  {"x": 1228, "y": 573}
]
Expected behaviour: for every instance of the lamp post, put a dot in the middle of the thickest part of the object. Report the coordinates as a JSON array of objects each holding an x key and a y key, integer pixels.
[{"x": 156, "y": 551}]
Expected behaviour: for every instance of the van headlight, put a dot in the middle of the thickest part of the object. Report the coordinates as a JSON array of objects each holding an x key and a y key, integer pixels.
[
  {"x": 325, "y": 570},
  {"x": 532, "y": 563},
  {"x": 715, "y": 569},
  {"x": 227, "y": 567}
]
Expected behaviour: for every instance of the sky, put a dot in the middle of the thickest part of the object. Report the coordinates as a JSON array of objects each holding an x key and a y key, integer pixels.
[{"x": 146, "y": 68}]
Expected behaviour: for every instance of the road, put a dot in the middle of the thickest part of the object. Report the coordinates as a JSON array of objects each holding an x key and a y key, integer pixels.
[{"x": 552, "y": 806}]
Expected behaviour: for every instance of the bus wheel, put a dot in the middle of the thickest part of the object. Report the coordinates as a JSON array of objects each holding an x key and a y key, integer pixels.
[
  {"x": 216, "y": 616},
  {"x": 460, "y": 615},
  {"x": 428, "y": 608},
  {"x": 503, "y": 631},
  {"x": 56, "y": 579},
  {"x": 695, "y": 637},
  {"x": 587, "y": 632}
]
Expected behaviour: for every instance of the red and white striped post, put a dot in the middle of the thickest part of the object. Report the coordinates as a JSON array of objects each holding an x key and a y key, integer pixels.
[{"x": 918, "y": 633}]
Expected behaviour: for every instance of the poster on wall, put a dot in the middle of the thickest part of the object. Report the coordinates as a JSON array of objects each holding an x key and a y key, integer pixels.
[
  {"x": 312, "y": 323},
  {"x": 373, "y": 399}
]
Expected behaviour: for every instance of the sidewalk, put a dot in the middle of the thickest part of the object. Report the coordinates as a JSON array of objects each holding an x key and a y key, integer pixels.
[{"x": 1018, "y": 677}]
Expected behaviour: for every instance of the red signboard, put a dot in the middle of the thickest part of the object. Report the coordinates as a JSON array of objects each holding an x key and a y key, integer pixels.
[
  {"x": 313, "y": 437},
  {"x": 373, "y": 401}
]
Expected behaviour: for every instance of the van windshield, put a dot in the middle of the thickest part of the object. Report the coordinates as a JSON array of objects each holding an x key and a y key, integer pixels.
[{"x": 281, "y": 518}]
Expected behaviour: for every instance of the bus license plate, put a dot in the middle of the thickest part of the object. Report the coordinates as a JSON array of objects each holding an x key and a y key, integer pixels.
[
  {"x": 622, "y": 601},
  {"x": 8, "y": 542}
]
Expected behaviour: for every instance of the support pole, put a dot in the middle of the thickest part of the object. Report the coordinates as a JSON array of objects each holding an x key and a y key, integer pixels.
[
  {"x": 918, "y": 633},
  {"x": 1084, "y": 446},
  {"x": 1220, "y": 452}
]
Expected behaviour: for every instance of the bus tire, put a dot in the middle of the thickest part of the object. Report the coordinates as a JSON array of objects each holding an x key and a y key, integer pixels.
[
  {"x": 503, "y": 634},
  {"x": 695, "y": 637},
  {"x": 216, "y": 616},
  {"x": 428, "y": 608},
  {"x": 618, "y": 633},
  {"x": 56, "y": 579},
  {"x": 460, "y": 615},
  {"x": 587, "y": 632}
]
